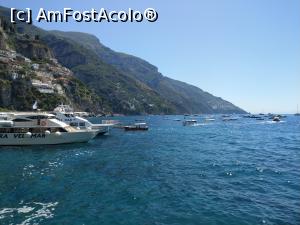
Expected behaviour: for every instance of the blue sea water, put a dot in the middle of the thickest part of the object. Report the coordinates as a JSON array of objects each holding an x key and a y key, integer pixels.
[{"x": 235, "y": 172}]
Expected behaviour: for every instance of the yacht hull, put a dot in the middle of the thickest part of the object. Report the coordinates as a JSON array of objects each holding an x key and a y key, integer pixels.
[
  {"x": 46, "y": 139},
  {"x": 101, "y": 130}
]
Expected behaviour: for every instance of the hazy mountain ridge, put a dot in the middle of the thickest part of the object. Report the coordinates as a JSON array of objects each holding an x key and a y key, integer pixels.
[
  {"x": 186, "y": 98},
  {"x": 124, "y": 94}
]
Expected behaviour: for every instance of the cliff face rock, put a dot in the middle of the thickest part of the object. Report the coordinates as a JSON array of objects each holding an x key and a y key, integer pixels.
[
  {"x": 33, "y": 49},
  {"x": 5, "y": 93},
  {"x": 29, "y": 72},
  {"x": 68, "y": 55},
  {"x": 2, "y": 42}
]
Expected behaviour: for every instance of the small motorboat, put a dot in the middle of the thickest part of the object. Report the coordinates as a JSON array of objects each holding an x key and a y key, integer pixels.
[
  {"x": 276, "y": 119},
  {"x": 136, "y": 127},
  {"x": 189, "y": 122},
  {"x": 253, "y": 116},
  {"x": 226, "y": 115}
]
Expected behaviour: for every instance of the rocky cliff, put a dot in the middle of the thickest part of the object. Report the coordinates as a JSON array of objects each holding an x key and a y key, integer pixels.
[{"x": 30, "y": 72}]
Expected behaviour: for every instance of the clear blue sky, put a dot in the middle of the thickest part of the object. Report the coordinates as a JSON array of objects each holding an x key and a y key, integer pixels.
[{"x": 247, "y": 52}]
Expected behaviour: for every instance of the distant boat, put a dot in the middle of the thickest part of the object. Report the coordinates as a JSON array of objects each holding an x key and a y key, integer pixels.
[
  {"x": 136, "y": 127},
  {"x": 189, "y": 122},
  {"x": 254, "y": 117},
  {"x": 279, "y": 116},
  {"x": 248, "y": 116},
  {"x": 225, "y": 119},
  {"x": 276, "y": 119},
  {"x": 208, "y": 119},
  {"x": 226, "y": 115}
]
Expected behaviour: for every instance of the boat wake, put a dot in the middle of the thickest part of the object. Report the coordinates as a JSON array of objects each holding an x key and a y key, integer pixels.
[{"x": 29, "y": 213}]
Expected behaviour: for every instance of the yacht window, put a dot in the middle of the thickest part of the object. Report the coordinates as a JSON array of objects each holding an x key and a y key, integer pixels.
[
  {"x": 21, "y": 120},
  {"x": 60, "y": 129},
  {"x": 14, "y": 130},
  {"x": 32, "y": 130},
  {"x": 81, "y": 124},
  {"x": 5, "y": 130},
  {"x": 37, "y": 117}
]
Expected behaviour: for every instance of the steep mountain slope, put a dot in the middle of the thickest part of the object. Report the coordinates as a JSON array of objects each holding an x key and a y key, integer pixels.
[
  {"x": 186, "y": 98},
  {"x": 124, "y": 83},
  {"x": 118, "y": 92},
  {"x": 32, "y": 73},
  {"x": 123, "y": 93}
]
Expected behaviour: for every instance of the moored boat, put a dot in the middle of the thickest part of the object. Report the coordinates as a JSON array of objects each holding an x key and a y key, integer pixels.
[
  {"x": 225, "y": 119},
  {"x": 31, "y": 128},
  {"x": 136, "y": 127},
  {"x": 209, "y": 119},
  {"x": 189, "y": 122},
  {"x": 66, "y": 114}
]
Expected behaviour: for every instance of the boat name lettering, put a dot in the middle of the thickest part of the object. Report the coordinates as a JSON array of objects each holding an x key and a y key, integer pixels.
[
  {"x": 3, "y": 136},
  {"x": 38, "y": 136},
  {"x": 19, "y": 135}
]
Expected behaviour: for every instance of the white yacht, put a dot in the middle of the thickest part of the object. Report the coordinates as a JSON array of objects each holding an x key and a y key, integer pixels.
[
  {"x": 33, "y": 128},
  {"x": 66, "y": 114}
]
